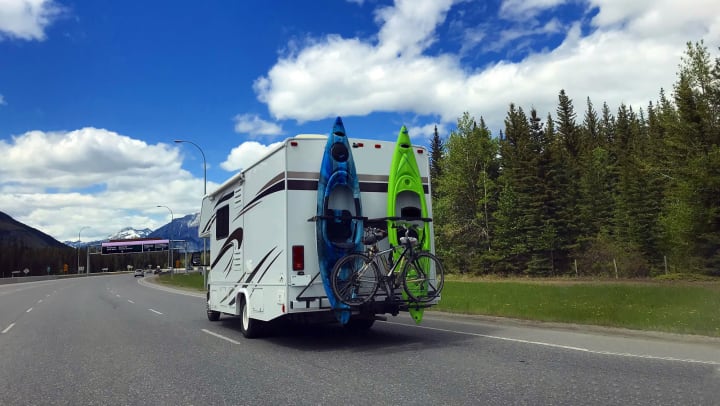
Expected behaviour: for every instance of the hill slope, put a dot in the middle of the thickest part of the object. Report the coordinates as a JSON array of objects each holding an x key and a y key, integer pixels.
[{"x": 15, "y": 233}]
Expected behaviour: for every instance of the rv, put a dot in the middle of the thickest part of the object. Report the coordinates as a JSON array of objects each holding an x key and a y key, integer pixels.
[{"x": 263, "y": 250}]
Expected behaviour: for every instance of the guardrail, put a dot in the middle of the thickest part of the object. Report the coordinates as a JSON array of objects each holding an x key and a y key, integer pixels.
[{"x": 20, "y": 279}]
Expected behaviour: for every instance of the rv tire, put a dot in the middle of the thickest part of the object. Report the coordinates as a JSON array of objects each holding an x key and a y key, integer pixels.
[
  {"x": 213, "y": 315},
  {"x": 249, "y": 327}
]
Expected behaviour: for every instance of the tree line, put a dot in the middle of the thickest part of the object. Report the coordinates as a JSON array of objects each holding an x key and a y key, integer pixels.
[
  {"x": 601, "y": 192},
  {"x": 16, "y": 256}
]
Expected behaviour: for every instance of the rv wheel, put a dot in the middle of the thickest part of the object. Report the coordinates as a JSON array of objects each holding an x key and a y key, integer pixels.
[
  {"x": 248, "y": 326},
  {"x": 211, "y": 314}
]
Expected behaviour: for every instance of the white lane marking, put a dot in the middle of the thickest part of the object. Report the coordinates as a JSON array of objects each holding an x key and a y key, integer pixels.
[
  {"x": 48, "y": 295},
  {"x": 564, "y": 347},
  {"x": 130, "y": 301},
  {"x": 7, "y": 328},
  {"x": 220, "y": 336},
  {"x": 154, "y": 311},
  {"x": 117, "y": 295},
  {"x": 40, "y": 301},
  {"x": 28, "y": 310}
]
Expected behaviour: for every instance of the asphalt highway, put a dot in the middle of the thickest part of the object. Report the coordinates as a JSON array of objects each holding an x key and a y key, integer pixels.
[{"x": 117, "y": 340}]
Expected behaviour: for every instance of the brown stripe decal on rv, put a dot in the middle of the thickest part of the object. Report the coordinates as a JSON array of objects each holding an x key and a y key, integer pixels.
[
  {"x": 224, "y": 198},
  {"x": 257, "y": 267},
  {"x": 373, "y": 187},
  {"x": 236, "y": 235},
  {"x": 302, "y": 184},
  {"x": 279, "y": 176},
  {"x": 272, "y": 189}
]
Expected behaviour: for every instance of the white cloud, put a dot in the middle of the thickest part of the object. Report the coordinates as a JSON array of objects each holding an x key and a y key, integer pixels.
[
  {"x": 2, "y": 101},
  {"x": 246, "y": 154},
  {"x": 253, "y": 125},
  {"x": 27, "y": 19},
  {"x": 526, "y": 9},
  {"x": 427, "y": 131},
  {"x": 60, "y": 181},
  {"x": 633, "y": 51}
]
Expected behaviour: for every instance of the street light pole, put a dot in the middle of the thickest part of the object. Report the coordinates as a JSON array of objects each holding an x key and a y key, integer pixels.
[
  {"x": 204, "y": 254},
  {"x": 204, "y": 163},
  {"x": 78, "y": 248},
  {"x": 170, "y": 254}
]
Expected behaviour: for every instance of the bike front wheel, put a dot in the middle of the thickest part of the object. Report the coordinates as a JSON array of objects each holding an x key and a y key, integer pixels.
[
  {"x": 423, "y": 277},
  {"x": 354, "y": 279}
]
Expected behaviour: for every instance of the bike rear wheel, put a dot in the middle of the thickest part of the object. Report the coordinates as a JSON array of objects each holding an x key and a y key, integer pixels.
[
  {"x": 354, "y": 279},
  {"x": 423, "y": 277}
]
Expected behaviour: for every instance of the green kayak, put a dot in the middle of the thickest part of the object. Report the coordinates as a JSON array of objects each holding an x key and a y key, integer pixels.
[{"x": 406, "y": 198}]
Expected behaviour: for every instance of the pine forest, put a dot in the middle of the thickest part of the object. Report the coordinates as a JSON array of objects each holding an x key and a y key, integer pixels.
[{"x": 589, "y": 190}]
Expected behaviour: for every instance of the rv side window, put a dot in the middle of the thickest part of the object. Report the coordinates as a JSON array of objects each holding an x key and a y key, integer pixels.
[{"x": 222, "y": 223}]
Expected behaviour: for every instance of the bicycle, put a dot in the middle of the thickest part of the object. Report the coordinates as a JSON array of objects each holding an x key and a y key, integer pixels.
[{"x": 357, "y": 277}]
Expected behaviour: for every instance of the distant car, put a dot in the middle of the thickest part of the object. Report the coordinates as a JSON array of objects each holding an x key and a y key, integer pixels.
[{"x": 139, "y": 272}]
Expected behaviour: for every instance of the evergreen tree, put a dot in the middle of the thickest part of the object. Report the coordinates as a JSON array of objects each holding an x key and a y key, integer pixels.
[
  {"x": 691, "y": 213},
  {"x": 564, "y": 181},
  {"x": 521, "y": 227},
  {"x": 467, "y": 195},
  {"x": 437, "y": 150}
]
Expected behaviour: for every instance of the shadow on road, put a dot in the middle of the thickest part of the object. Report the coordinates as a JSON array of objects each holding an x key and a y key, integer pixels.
[{"x": 333, "y": 336}]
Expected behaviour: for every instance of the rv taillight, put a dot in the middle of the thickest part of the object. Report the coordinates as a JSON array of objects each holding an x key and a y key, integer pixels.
[
  {"x": 420, "y": 151},
  {"x": 293, "y": 143},
  {"x": 377, "y": 145},
  {"x": 298, "y": 257}
]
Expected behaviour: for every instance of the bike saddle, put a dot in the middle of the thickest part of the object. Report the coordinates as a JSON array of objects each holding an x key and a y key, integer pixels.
[{"x": 373, "y": 237}]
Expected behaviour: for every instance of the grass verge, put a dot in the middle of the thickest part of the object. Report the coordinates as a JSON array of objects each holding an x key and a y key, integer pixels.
[
  {"x": 673, "y": 307},
  {"x": 188, "y": 281},
  {"x": 683, "y": 308}
]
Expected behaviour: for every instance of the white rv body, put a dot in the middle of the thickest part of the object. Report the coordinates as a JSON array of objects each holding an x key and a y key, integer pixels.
[{"x": 258, "y": 219}]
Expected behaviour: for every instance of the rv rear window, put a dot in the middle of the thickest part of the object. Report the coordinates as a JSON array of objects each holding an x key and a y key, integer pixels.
[{"x": 222, "y": 223}]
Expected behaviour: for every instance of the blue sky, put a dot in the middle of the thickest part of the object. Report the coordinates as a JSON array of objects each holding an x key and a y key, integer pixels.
[{"x": 92, "y": 92}]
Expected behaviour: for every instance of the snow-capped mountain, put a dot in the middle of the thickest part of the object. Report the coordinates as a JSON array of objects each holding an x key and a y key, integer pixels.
[
  {"x": 128, "y": 233},
  {"x": 181, "y": 229}
]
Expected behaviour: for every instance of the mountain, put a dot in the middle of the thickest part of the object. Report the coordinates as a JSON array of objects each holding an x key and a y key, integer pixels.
[
  {"x": 184, "y": 229},
  {"x": 181, "y": 229},
  {"x": 129, "y": 233},
  {"x": 12, "y": 232}
]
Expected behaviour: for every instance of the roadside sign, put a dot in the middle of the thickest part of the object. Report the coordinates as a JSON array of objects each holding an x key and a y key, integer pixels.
[
  {"x": 133, "y": 246},
  {"x": 65, "y": 268},
  {"x": 26, "y": 271}
]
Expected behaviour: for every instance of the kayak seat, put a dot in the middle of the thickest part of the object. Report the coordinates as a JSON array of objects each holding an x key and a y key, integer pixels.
[
  {"x": 410, "y": 211},
  {"x": 340, "y": 228}
]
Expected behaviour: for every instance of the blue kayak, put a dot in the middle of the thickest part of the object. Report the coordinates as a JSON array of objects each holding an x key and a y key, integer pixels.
[{"x": 339, "y": 227}]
